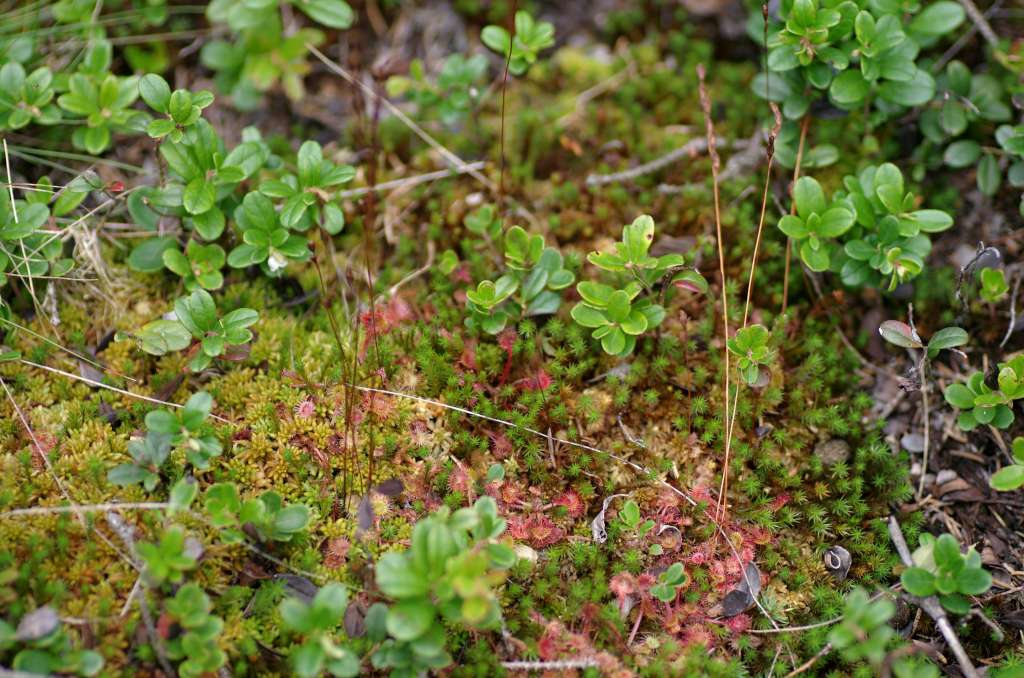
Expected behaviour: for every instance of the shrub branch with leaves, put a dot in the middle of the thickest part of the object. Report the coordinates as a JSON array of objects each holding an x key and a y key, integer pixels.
[{"x": 619, "y": 314}]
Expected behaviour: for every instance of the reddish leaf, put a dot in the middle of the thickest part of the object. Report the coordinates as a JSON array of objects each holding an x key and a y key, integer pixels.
[{"x": 900, "y": 334}]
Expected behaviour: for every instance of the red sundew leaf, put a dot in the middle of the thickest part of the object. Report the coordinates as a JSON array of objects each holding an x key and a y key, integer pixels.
[
  {"x": 572, "y": 502},
  {"x": 507, "y": 340},
  {"x": 538, "y": 531},
  {"x": 468, "y": 357},
  {"x": 622, "y": 585},
  {"x": 740, "y": 623},
  {"x": 336, "y": 552},
  {"x": 539, "y": 382},
  {"x": 501, "y": 446},
  {"x": 459, "y": 481}
]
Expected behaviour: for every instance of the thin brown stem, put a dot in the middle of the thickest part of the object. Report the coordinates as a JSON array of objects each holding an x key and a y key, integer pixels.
[
  {"x": 501, "y": 133},
  {"x": 764, "y": 208},
  {"x": 770, "y": 154},
  {"x": 810, "y": 662},
  {"x": 350, "y": 378},
  {"x": 721, "y": 508},
  {"x": 792, "y": 209},
  {"x": 927, "y": 427},
  {"x": 370, "y": 202}
]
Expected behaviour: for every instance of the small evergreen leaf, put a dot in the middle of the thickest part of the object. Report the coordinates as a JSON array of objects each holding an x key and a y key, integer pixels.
[{"x": 899, "y": 334}]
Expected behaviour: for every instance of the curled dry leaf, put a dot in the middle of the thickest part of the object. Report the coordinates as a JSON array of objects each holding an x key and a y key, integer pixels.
[
  {"x": 355, "y": 619},
  {"x": 90, "y": 372},
  {"x": 392, "y": 487},
  {"x": 736, "y": 602},
  {"x": 670, "y": 537},
  {"x": 743, "y": 597},
  {"x": 298, "y": 587},
  {"x": 912, "y": 442},
  {"x": 364, "y": 515},
  {"x": 837, "y": 562},
  {"x": 194, "y": 548},
  {"x": 598, "y": 529}
]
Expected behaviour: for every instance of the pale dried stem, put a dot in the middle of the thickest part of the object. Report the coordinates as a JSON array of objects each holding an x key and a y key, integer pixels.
[
  {"x": 721, "y": 507},
  {"x": 792, "y": 210},
  {"x": 931, "y": 605}
]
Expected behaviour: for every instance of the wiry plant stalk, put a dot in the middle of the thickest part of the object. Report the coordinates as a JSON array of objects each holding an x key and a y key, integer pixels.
[
  {"x": 456, "y": 162},
  {"x": 792, "y": 209},
  {"x": 369, "y": 219},
  {"x": 504, "y": 91},
  {"x": 100, "y": 384},
  {"x": 348, "y": 373},
  {"x": 770, "y": 154},
  {"x": 721, "y": 507},
  {"x": 85, "y": 359}
]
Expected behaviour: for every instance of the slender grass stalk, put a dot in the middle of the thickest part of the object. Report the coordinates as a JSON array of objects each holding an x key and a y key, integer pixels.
[
  {"x": 792, "y": 209},
  {"x": 100, "y": 384},
  {"x": 721, "y": 508},
  {"x": 26, "y": 152},
  {"x": 770, "y": 154},
  {"x": 347, "y": 370},
  {"x": 57, "y": 345}
]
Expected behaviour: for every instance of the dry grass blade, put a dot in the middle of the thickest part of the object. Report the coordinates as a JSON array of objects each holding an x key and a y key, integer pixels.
[
  {"x": 409, "y": 182},
  {"x": 457, "y": 162},
  {"x": 10, "y": 185},
  {"x": 721, "y": 508},
  {"x": 792, "y": 210},
  {"x": 40, "y": 451},
  {"x": 770, "y": 151},
  {"x": 85, "y": 508},
  {"x": 74, "y": 354},
  {"x": 99, "y": 384}
]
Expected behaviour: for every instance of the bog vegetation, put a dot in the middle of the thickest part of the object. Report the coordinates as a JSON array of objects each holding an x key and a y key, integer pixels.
[{"x": 479, "y": 338}]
